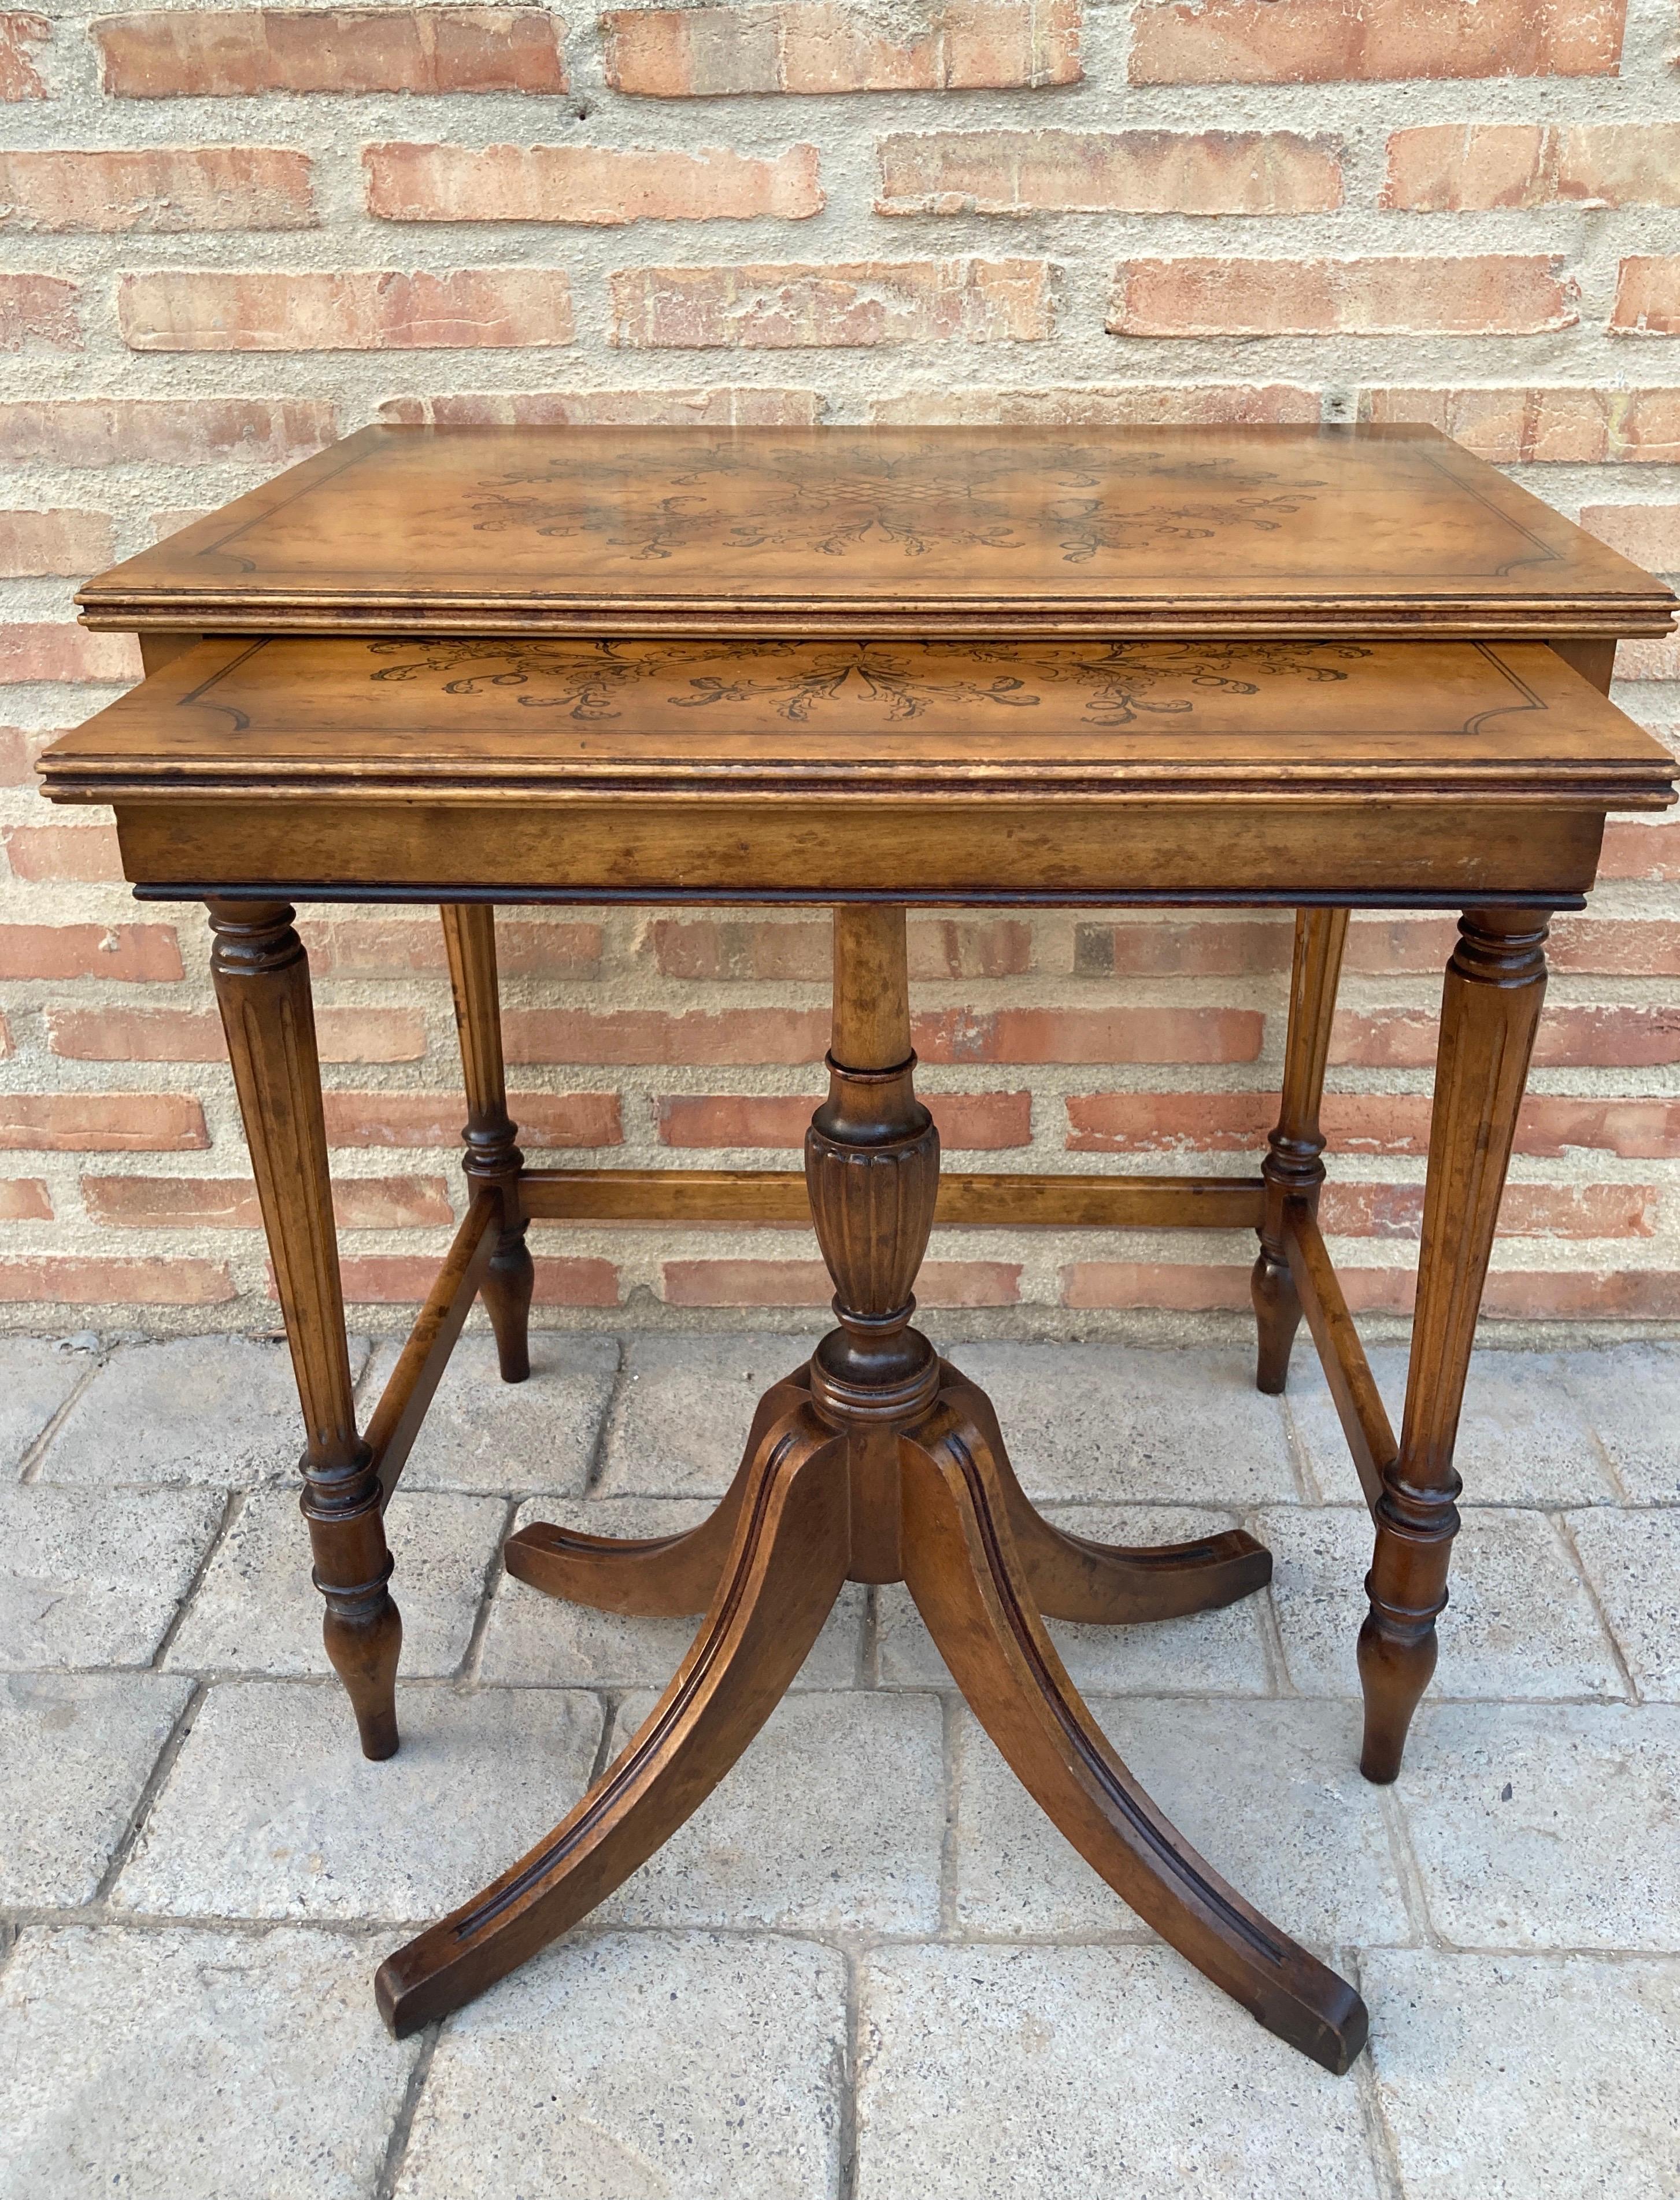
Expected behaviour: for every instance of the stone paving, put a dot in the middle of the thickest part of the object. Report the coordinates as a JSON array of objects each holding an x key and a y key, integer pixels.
[{"x": 867, "y": 1968}]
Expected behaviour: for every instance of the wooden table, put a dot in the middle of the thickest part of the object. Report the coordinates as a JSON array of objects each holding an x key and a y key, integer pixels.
[{"x": 877, "y": 669}]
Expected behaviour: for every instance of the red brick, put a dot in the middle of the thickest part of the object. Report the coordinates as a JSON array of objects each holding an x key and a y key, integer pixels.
[
  {"x": 1635, "y": 1130},
  {"x": 1189, "y": 947},
  {"x": 1491, "y": 293},
  {"x": 1547, "y": 1294},
  {"x": 232, "y": 53},
  {"x": 38, "y": 309},
  {"x": 993, "y": 172},
  {"x": 69, "y": 1282},
  {"x": 20, "y": 746},
  {"x": 43, "y": 650},
  {"x": 135, "y": 953},
  {"x": 1448, "y": 166},
  {"x": 816, "y": 46},
  {"x": 1169, "y": 1122},
  {"x": 172, "y": 431},
  {"x": 20, "y": 78},
  {"x": 195, "y": 1203},
  {"x": 1615, "y": 947},
  {"x": 634, "y": 409},
  {"x": 1081, "y": 1035},
  {"x": 1565, "y": 426},
  {"x": 400, "y": 947},
  {"x": 750, "y": 948},
  {"x": 546, "y": 1119},
  {"x": 195, "y": 1034},
  {"x": 63, "y": 852},
  {"x": 1083, "y": 404},
  {"x": 403, "y": 1280},
  {"x": 1377, "y": 1122},
  {"x": 185, "y": 309},
  {"x": 157, "y": 191},
  {"x": 757, "y": 308},
  {"x": 1639, "y": 852},
  {"x": 1388, "y": 946},
  {"x": 592, "y": 184},
  {"x": 1649, "y": 534},
  {"x": 807, "y": 1283},
  {"x": 69, "y": 541},
  {"x": 969, "y": 1122},
  {"x": 1569, "y": 1034},
  {"x": 1528, "y": 1210},
  {"x": 103, "y": 1122},
  {"x": 1324, "y": 41},
  {"x": 24, "y": 1199},
  {"x": 1647, "y": 297},
  {"x": 652, "y": 1035},
  {"x": 1186, "y": 1288}
]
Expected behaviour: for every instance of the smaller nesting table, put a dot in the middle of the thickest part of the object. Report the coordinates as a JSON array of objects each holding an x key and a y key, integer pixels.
[{"x": 249, "y": 772}]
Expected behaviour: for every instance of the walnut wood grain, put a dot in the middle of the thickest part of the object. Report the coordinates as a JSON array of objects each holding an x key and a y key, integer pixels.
[{"x": 493, "y": 1158}]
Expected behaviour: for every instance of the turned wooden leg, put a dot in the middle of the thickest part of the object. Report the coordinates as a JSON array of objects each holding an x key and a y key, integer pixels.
[
  {"x": 787, "y": 1562},
  {"x": 1292, "y": 1168},
  {"x": 1489, "y": 1007},
  {"x": 969, "y": 1585},
  {"x": 262, "y": 985},
  {"x": 492, "y": 1158}
]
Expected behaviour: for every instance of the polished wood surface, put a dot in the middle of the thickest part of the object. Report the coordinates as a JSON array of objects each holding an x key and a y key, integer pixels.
[{"x": 888, "y": 531}]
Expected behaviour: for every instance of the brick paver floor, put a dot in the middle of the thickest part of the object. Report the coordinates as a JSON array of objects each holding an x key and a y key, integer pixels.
[{"x": 867, "y": 1966}]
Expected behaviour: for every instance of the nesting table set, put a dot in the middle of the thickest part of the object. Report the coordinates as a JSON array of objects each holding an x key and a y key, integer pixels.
[{"x": 1331, "y": 670}]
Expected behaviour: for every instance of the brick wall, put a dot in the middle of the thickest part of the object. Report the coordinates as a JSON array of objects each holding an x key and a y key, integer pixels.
[{"x": 231, "y": 234}]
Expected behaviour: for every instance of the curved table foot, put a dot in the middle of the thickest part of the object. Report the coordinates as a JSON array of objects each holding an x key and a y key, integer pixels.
[
  {"x": 1071, "y": 1577},
  {"x": 654, "y": 1576},
  {"x": 787, "y": 1562},
  {"x": 970, "y": 1587}
]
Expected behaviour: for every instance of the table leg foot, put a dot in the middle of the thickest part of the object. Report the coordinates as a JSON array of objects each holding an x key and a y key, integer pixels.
[
  {"x": 652, "y": 1578},
  {"x": 506, "y": 1292},
  {"x": 968, "y": 1582},
  {"x": 789, "y": 1557},
  {"x": 1277, "y": 1313}
]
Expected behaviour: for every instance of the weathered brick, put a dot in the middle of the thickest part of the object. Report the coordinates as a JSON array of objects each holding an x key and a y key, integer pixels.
[
  {"x": 1025, "y": 172},
  {"x": 1322, "y": 41},
  {"x": 1561, "y": 426},
  {"x": 1631, "y": 850},
  {"x": 1528, "y": 1210},
  {"x": 1169, "y": 1122},
  {"x": 436, "y": 1119},
  {"x": 1081, "y": 1035},
  {"x": 232, "y": 53},
  {"x": 53, "y": 853},
  {"x": 1391, "y": 946},
  {"x": 403, "y": 1280},
  {"x": 19, "y": 33},
  {"x": 741, "y": 1283},
  {"x": 1625, "y": 1295},
  {"x": 139, "y": 953},
  {"x": 54, "y": 542},
  {"x": 1203, "y": 947},
  {"x": 172, "y": 431},
  {"x": 1550, "y": 1125},
  {"x": 817, "y": 46},
  {"x": 25, "y": 1199},
  {"x": 157, "y": 191},
  {"x": 195, "y": 1203},
  {"x": 195, "y": 1034},
  {"x": 649, "y": 1035},
  {"x": 757, "y": 308},
  {"x": 39, "y": 309},
  {"x": 750, "y": 948},
  {"x": 1569, "y": 1034},
  {"x": 103, "y": 1122},
  {"x": 67, "y": 1281},
  {"x": 1649, "y": 534},
  {"x": 43, "y": 650},
  {"x": 185, "y": 309},
  {"x": 1647, "y": 297},
  {"x": 1186, "y": 1288},
  {"x": 968, "y": 1122},
  {"x": 1140, "y": 405},
  {"x": 400, "y": 947},
  {"x": 1447, "y": 167},
  {"x": 1615, "y": 947},
  {"x": 1483, "y": 294},
  {"x": 591, "y": 185},
  {"x": 595, "y": 409},
  {"x": 19, "y": 747}
]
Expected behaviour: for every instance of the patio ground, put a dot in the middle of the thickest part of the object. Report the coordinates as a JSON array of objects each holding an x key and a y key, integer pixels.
[{"x": 867, "y": 1966}]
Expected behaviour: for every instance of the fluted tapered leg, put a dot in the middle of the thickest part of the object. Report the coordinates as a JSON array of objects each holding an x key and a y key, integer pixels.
[
  {"x": 262, "y": 986},
  {"x": 1495, "y": 982},
  {"x": 492, "y": 1157}
]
